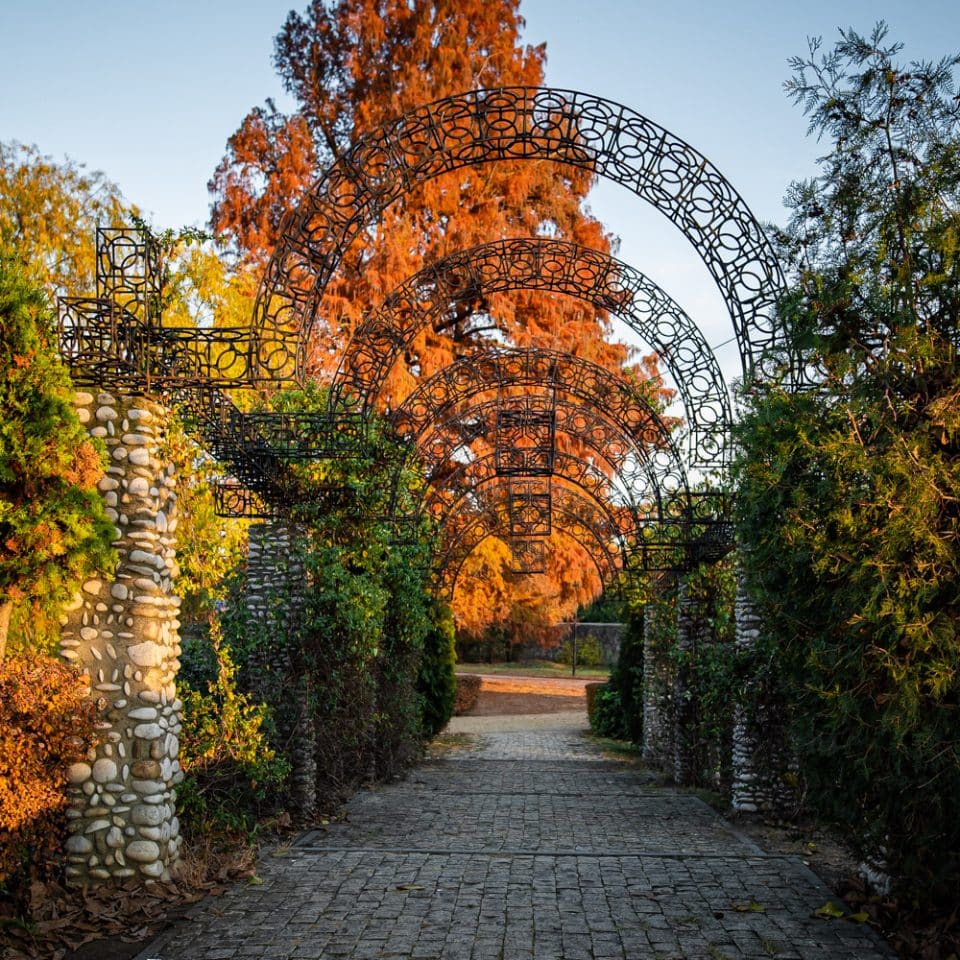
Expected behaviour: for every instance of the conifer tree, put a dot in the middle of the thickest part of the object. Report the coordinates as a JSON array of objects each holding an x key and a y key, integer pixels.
[
  {"x": 357, "y": 64},
  {"x": 849, "y": 491},
  {"x": 53, "y": 530}
]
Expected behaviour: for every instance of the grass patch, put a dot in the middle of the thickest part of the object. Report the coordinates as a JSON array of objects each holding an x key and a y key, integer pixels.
[
  {"x": 444, "y": 744},
  {"x": 534, "y": 668},
  {"x": 622, "y": 750}
]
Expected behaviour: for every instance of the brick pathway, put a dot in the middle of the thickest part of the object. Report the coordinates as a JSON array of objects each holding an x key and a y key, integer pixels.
[{"x": 532, "y": 847}]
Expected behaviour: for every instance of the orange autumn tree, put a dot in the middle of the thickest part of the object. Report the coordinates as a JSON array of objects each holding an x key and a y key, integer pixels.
[
  {"x": 352, "y": 65},
  {"x": 522, "y": 608}
]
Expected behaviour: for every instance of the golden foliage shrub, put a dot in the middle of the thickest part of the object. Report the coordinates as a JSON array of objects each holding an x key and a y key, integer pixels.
[{"x": 46, "y": 723}]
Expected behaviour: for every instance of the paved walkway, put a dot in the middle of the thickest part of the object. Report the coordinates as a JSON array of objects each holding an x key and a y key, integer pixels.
[{"x": 532, "y": 847}]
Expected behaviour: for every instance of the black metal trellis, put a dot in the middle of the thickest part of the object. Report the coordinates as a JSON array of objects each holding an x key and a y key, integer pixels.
[
  {"x": 556, "y": 267},
  {"x": 120, "y": 342},
  {"x": 518, "y": 124},
  {"x": 591, "y": 525},
  {"x": 529, "y": 555},
  {"x": 525, "y": 443},
  {"x": 117, "y": 338}
]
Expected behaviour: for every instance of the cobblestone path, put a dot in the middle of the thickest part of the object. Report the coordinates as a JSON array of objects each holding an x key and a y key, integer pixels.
[{"x": 531, "y": 846}]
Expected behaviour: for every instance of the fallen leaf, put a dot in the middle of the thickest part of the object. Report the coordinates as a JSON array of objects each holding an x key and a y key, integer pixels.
[{"x": 829, "y": 911}]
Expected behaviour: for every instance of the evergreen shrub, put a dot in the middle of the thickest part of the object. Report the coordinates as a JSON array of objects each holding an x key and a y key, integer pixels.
[
  {"x": 627, "y": 678},
  {"x": 437, "y": 681},
  {"x": 233, "y": 777},
  {"x": 605, "y": 711}
]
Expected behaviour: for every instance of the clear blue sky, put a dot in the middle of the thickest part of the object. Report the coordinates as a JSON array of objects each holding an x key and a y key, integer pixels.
[{"x": 149, "y": 93}]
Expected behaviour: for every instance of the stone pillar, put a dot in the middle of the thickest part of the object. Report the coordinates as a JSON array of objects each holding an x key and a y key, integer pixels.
[
  {"x": 656, "y": 686},
  {"x": 274, "y": 600},
  {"x": 123, "y": 631},
  {"x": 763, "y": 763},
  {"x": 693, "y": 631}
]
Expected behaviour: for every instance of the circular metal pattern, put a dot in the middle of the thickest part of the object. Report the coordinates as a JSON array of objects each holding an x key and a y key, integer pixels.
[
  {"x": 517, "y": 123},
  {"x": 587, "y": 477},
  {"x": 438, "y": 398},
  {"x": 453, "y": 471},
  {"x": 578, "y": 516},
  {"x": 552, "y": 266},
  {"x": 478, "y": 127}
]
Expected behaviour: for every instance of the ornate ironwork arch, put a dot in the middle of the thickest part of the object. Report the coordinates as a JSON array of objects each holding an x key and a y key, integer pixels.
[
  {"x": 558, "y": 267},
  {"x": 576, "y": 515},
  {"x": 437, "y": 398},
  {"x": 450, "y": 478},
  {"x": 516, "y": 123},
  {"x": 480, "y": 476}
]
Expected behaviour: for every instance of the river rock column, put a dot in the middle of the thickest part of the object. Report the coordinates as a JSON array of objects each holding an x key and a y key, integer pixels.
[
  {"x": 274, "y": 602},
  {"x": 693, "y": 630},
  {"x": 123, "y": 631},
  {"x": 763, "y": 762},
  {"x": 657, "y": 682}
]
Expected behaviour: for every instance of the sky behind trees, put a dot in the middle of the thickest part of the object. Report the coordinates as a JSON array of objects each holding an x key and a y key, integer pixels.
[{"x": 150, "y": 95}]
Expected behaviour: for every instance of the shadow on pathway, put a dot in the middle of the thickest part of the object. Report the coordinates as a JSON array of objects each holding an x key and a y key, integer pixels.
[{"x": 532, "y": 845}]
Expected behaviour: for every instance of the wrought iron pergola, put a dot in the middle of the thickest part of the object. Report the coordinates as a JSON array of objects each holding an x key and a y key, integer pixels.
[{"x": 514, "y": 443}]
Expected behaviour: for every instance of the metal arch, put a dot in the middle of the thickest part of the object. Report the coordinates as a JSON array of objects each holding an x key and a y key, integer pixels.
[
  {"x": 566, "y": 374},
  {"x": 477, "y": 472},
  {"x": 121, "y": 349},
  {"x": 493, "y": 501},
  {"x": 575, "y": 523},
  {"x": 517, "y": 123},
  {"x": 552, "y": 266},
  {"x": 583, "y": 474},
  {"x": 580, "y": 473},
  {"x": 450, "y": 573},
  {"x": 580, "y": 518},
  {"x": 609, "y": 444}
]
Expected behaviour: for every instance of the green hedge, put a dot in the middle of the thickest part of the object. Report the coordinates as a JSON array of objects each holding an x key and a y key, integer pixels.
[
  {"x": 437, "y": 682},
  {"x": 605, "y": 711}
]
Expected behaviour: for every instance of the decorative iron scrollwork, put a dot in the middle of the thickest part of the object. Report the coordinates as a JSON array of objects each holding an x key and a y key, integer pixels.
[
  {"x": 552, "y": 266},
  {"x": 522, "y": 124},
  {"x": 499, "y": 432},
  {"x": 529, "y": 555}
]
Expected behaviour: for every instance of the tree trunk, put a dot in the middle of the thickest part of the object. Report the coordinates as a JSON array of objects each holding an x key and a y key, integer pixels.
[{"x": 6, "y": 608}]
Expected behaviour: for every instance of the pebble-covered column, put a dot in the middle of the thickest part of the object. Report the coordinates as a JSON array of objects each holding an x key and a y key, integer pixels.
[
  {"x": 762, "y": 760},
  {"x": 656, "y": 684},
  {"x": 275, "y": 584},
  {"x": 693, "y": 631},
  {"x": 124, "y": 632},
  {"x": 745, "y": 795}
]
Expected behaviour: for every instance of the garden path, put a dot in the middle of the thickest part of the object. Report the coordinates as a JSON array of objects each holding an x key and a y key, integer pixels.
[{"x": 531, "y": 846}]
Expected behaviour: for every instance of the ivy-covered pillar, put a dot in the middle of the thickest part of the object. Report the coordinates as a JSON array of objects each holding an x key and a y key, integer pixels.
[
  {"x": 123, "y": 631},
  {"x": 274, "y": 601},
  {"x": 693, "y": 630},
  {"x": 763, "y": 763}
]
